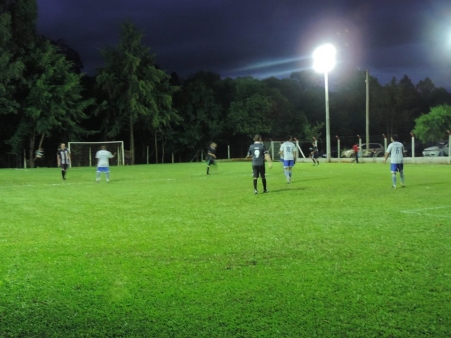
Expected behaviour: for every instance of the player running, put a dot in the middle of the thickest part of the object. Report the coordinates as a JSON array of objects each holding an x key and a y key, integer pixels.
[
  {"x": 288, "y": 152},
  {"x": 211, "y": 156},
  {"x": 314, "y": 152}
]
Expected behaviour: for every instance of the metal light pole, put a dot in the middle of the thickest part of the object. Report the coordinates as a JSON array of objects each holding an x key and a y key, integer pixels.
[
  {"x": 324, "y": 62},
  {"x": 367, "y": 127}
]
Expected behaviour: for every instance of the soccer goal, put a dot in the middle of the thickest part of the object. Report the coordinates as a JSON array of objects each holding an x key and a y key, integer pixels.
[{"x": 83, "y": 154}]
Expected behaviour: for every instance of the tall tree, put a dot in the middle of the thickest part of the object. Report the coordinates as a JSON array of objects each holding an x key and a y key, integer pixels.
[
  {"x": 198, "y": 104},
  {"x": 396, "y": 106},
  {"x": 434, "y": 125},
  {"x": 130, "y": 81},
  {"x": 50, "y": 98},
  {"x": 46, "y": 96},
  {"x": 250, "y": 109}
]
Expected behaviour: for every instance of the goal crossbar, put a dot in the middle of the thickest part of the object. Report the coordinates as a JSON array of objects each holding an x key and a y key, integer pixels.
[{"x": 83, "y": 153}]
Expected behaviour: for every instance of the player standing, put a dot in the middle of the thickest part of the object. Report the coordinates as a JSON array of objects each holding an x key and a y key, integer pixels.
[
  {"x": 259, "y": 154},
  {"x": 288, "y": 152},
  {"x": 395, "y": 150},
  {"x": 356, "y": 149},
  {"x": 103, "y": 163},
  {"x": 63, "y": 159},
  {"x": 211, "y": 156}
]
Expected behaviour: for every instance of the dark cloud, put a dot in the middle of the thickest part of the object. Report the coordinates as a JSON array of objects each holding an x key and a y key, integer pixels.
[{"x": 231, "y": 37}]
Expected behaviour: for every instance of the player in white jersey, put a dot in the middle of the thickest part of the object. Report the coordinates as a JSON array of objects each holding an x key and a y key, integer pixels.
[
  {"x": 288, "y": 153},
  {"x": 395, "y": 150},
  {"x": 103, "y": 163}
]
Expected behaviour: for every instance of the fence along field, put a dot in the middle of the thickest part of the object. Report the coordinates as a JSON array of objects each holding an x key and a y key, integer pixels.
[{"x": 164, "y": 250}]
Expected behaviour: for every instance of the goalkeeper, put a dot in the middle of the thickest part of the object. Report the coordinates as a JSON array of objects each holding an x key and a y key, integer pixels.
[{"x": 103, "y": 163}]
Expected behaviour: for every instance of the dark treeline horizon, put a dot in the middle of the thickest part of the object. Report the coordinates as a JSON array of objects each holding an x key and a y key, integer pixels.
[{"x": 46, "y": 99}]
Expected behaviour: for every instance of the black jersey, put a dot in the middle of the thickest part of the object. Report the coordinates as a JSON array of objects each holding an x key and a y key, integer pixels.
[
  {"x": 258, "y": 152},
  {"x": 211, "y": 150}
]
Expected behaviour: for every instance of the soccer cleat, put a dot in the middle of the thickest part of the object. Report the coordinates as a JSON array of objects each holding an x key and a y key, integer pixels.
[
  {"x": 403, "y": 186},
  {"x": 265, "y": 191},
  {"x": 255, "y": 191},
  {"x": 107, "y": 181},
  {"x": 393, "y": 187}
]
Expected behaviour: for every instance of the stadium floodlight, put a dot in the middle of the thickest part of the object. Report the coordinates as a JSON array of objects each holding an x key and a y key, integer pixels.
[{"x": 324, "y": 62}]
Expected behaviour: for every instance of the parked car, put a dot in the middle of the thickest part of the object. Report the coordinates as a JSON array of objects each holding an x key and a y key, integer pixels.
[
  {"x": 375, "y": 150},
  {"x": 333, "y": 153},
  {"x": 440, "y": 149}
]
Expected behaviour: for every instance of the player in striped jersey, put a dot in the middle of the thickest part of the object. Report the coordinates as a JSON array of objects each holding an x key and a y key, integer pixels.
[{"x": 63, "y": 158}]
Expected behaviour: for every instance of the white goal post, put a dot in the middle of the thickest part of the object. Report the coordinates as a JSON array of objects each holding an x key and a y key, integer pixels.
[{"x": 83, "y": 154}]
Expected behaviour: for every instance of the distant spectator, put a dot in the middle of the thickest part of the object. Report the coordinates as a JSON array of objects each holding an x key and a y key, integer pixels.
[{"x": 355, "y": 147}]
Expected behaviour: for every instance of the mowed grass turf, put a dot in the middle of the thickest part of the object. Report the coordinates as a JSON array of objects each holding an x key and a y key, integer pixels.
[{"x": 165, "y": 251}]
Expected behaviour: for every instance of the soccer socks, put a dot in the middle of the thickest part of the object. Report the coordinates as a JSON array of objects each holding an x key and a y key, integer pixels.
[
  {"x": 264, "y": 184},
  {"x": 401, "y": 176},
  {"x": 255, "y": 184},
  {"x": 63, "y": 174},
  {"x": 208, "y": 170},
  {"x": 393, "y": 179},
  {"x": 107, "y": 176}
]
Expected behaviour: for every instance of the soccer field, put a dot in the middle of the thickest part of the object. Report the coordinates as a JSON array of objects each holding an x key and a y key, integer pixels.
[{"x": 166, "y": 251}]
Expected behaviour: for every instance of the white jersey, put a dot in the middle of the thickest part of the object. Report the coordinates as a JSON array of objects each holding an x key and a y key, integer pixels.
[
  {"x": 287, "y": 148},
  {"x": 103, "y": 157},
  {"x": 396, "y": 150}
]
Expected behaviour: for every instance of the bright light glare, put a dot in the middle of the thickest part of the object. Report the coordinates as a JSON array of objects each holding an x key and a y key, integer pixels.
[{"x": 324, "y": 58}]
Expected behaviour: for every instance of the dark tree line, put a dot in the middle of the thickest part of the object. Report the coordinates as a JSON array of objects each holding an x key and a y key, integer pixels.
[{"x": 46, "y": 99}]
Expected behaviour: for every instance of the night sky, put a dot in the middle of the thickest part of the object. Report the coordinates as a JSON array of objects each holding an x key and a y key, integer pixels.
[{"x": 263, "y": 38}]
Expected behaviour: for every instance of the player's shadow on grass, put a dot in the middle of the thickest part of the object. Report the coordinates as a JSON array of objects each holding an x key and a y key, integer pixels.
[
  {"x": 433, "y": 183},
  {"x": 271, "y": 191}
]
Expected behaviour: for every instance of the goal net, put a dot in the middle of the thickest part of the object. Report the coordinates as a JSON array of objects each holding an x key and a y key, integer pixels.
[{"x": 83, "y": 154}]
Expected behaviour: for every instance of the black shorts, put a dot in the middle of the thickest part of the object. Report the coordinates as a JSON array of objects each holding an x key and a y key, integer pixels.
[
  {"x": 259, "y": 170},
  {"x": 64, "y": 166},
  {"x": 210, "y": 160}
]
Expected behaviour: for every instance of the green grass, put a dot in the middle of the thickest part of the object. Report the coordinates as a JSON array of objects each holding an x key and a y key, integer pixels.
[{"x": 165, "y": 251}]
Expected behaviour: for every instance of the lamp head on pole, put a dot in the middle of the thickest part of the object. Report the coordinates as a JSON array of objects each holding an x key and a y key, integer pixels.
[{"x": 324, "y": 58}]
